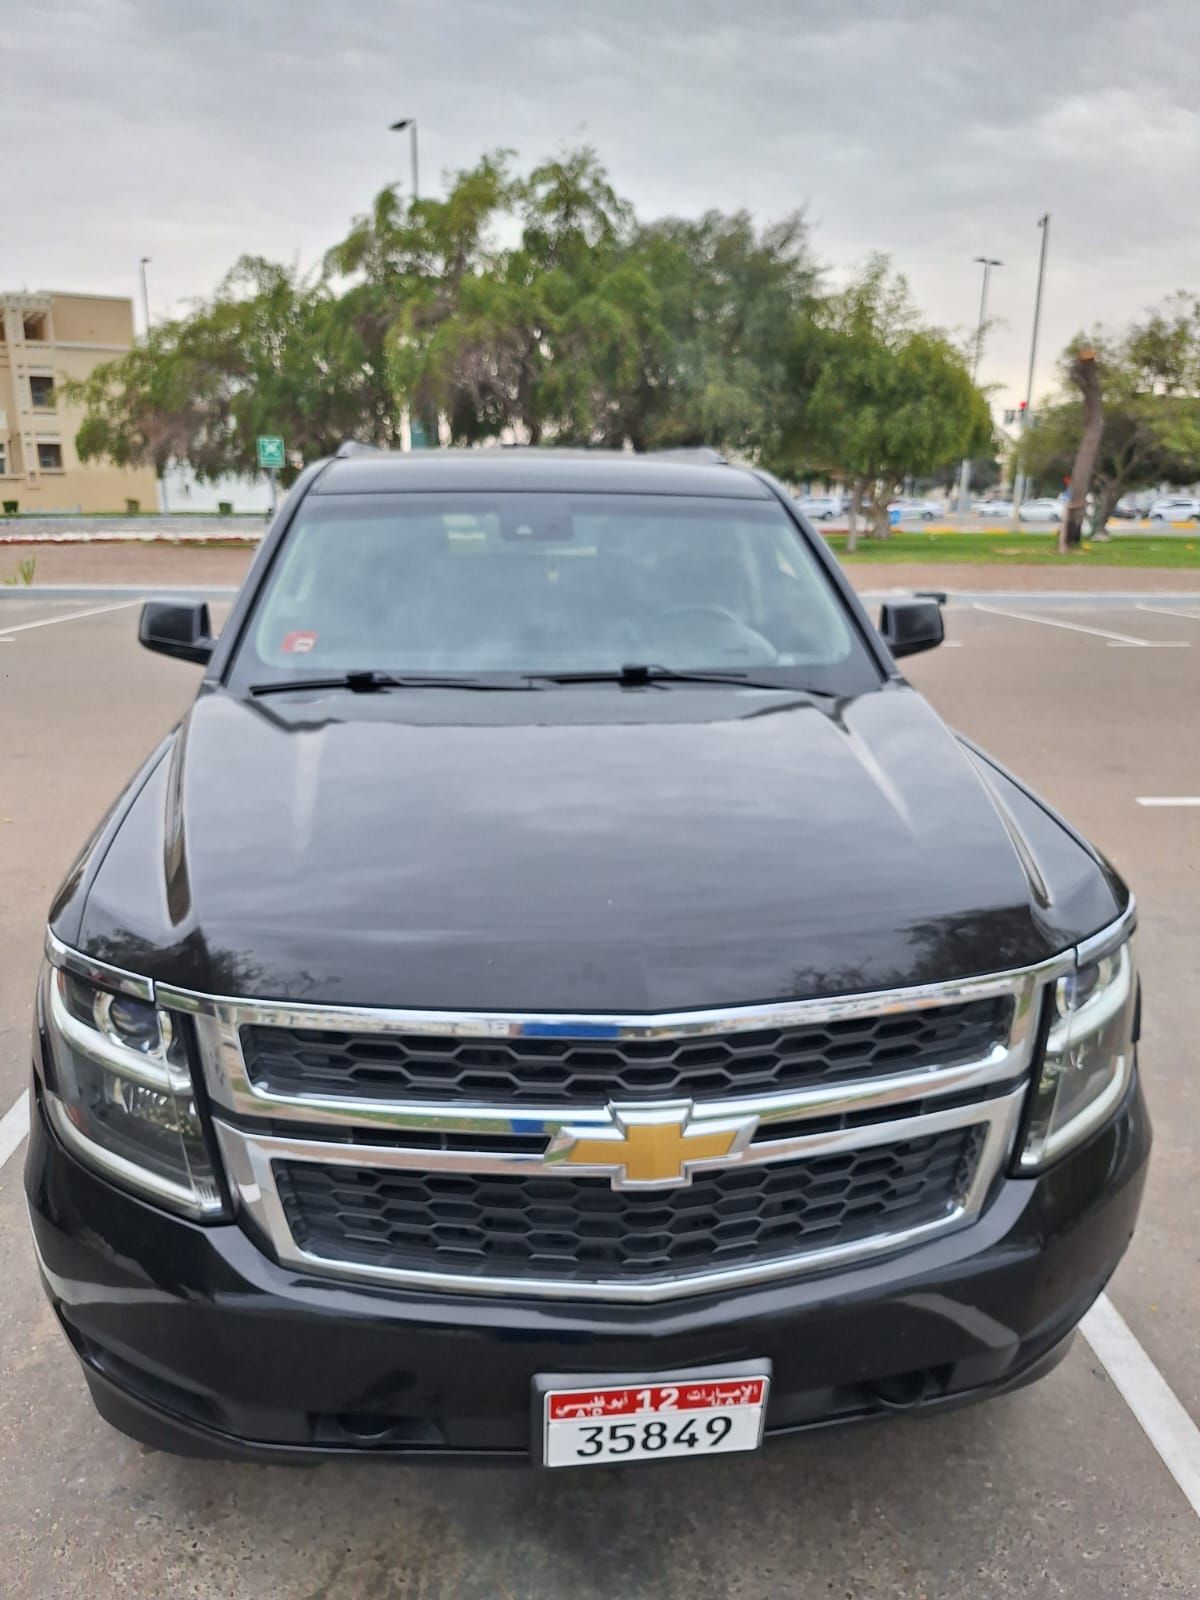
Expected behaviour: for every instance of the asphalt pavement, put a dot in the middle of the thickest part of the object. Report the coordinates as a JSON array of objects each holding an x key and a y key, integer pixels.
[{"x": 1059, "y": 1490}]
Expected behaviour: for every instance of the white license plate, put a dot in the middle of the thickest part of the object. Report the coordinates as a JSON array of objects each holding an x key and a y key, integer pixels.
[{"x": 650, "y": 1420}]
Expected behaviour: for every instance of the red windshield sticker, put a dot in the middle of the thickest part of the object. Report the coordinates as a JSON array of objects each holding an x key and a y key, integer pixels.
[{"x": 298, "y": 644}]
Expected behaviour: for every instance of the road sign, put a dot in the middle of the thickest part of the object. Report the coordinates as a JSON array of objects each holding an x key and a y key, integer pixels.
[{"x": 270, "y": 452}]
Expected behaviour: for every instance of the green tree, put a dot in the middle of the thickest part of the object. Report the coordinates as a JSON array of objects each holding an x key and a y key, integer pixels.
[
  {"x": 1151, "y": 433},
  {"x": 406, "y": 273},
  {"x": 730, "y": 295},
  {"x": 875, "y": 395},
  {"x": 270, "y": 353},
  {"x": 549, "y": 338}
]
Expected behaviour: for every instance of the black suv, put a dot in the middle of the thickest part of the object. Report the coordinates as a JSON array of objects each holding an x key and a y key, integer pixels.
[{"x": 561, "y": 994}]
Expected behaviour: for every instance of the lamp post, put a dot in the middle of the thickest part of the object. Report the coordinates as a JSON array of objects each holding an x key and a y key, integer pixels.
[
  {"x": 411, "y": 124},
  {"x": 143, "y": 264},
  {"x": 964, "y": 475},
  {"x": 1019, "y": 483}
]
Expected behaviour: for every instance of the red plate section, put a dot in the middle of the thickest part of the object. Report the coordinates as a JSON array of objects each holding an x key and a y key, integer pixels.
[{"x": 651, "y": 1399}]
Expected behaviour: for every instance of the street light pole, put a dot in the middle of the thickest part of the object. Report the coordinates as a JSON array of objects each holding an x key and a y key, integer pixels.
[
  {"x": 411, "y": 124},
  {"x": 1019, "y": 484},
  {"x": 145, "y": 262},
  {"x": 964, "y": 475}
]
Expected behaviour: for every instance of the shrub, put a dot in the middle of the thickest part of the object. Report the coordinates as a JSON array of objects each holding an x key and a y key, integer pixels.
[{"x": 24, "y": 572}]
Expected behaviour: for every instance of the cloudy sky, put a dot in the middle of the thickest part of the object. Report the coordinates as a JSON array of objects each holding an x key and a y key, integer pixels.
[{"x": 936, "y": 130}]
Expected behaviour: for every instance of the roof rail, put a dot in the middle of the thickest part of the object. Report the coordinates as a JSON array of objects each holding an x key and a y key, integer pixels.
[
  {"x": 354, "y": 447},
  {"x": 701, "y": 454}
]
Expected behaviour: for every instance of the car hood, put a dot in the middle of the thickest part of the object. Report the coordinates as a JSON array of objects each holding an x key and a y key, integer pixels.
[{"x": 575, "y": 849}]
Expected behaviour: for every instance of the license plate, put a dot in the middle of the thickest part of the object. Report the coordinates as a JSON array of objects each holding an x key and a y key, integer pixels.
[{"x": 717, "y": 1412}]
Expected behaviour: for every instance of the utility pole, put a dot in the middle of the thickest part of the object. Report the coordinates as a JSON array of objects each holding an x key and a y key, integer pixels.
[
  {"x": 964, "y": 475},
  {"x": 411, "y": 124},
  {"x": 142, "y": 265},
  {"x": 1019, "y": 483}
]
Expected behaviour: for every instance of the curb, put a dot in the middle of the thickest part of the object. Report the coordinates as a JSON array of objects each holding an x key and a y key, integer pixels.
[
  {"x": 954, "y": 597},
  {"x": 115, "y": 591},
  {"x": 1048, "y": 598}
]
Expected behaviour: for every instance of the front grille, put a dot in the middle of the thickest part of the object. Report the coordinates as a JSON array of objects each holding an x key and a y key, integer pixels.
[
  {"x": 552, "y": 1071},
  {"x": 566, "y": 1229}
]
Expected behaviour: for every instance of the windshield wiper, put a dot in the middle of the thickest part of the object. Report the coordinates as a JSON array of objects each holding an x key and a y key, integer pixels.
[
  {"x": 369, "y": 681},
  {"x": 637, "y": 675}
]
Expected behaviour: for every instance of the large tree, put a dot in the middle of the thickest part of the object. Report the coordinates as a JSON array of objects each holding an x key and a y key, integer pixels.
[
  {"x": 875, "y": 395},
  {"x": 536, "y": 307},
  {"x": 1150, "y": 378}
]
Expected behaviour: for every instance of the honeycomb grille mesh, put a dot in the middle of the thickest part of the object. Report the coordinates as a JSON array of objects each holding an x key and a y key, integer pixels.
[
  {"x": 550, "y": 1071},
  {"x": 580, "y": 1228}
]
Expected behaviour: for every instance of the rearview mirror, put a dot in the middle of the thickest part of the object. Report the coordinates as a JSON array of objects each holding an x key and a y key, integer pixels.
[
  {"x": 909, "y": 626},
  {"x": 177, "y": 628}
]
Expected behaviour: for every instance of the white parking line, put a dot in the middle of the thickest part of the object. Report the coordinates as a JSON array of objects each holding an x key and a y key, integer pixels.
[
  {"x": 1168, "y": 799},
  {"x": 1142, "y": 1386},
  {"x": 14, "y": 1125},
  {"x": 1116, "y": 640},
  {"x": 74, "y": 616},
  {"x": 1167, "y": 611}
]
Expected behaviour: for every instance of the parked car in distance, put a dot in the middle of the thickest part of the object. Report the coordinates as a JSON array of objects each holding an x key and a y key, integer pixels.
[
  {"x": 561, "y": 994},
  {"x": 992, "y": 508},
  {"x": 1176, "y": 508},
  {"x": 918, "y": 510},
  {"x": 1043, "y": 510},
  {"x": 822, "y": 507},
  {"x": 1127, "y": 510}
]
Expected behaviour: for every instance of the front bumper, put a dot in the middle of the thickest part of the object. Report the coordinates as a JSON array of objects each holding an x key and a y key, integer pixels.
[{"x": 193, "y": 1340}]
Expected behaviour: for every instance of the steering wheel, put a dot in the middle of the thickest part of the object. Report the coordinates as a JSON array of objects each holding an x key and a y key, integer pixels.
[{"x": 749, "y": 638}]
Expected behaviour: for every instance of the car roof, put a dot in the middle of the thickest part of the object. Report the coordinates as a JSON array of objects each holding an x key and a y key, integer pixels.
[{"x": 578, "y": 471}]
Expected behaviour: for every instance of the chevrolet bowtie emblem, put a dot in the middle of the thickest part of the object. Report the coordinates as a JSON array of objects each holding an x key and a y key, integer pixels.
[{"x": 650, "y": 1147}]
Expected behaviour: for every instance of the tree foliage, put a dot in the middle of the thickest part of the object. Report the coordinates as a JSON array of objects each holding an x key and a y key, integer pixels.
[
  {"x": 270, "y": 353},
  {"x": 537, "y": 307},
  {"x": 875, "y": 396}
]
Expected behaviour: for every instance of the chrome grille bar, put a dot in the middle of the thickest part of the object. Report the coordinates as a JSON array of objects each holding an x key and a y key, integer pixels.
[
  {"x": 250, "y": 1157},
  {"x": 219, "y": 1022}
]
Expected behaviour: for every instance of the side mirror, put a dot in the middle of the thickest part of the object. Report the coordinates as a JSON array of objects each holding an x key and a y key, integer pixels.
[
  {"x": 176, "y": 628},
  {"x": 909, "y": 626}
]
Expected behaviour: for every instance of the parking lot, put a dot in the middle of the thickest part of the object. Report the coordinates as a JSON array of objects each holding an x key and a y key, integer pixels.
[{"x": 1057, "y": 1490}]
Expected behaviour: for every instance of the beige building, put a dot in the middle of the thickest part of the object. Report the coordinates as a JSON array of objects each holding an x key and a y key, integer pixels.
[{"x": 43, "y": 338}]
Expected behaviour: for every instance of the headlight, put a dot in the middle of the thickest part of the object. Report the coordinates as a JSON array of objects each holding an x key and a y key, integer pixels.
[
  {"x": 120, "y": 1094},
  {"x": 1089, "y": 1055}
]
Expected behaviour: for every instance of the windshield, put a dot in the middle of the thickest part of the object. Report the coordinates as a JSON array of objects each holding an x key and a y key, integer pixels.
[{"x": 483, "y": 584}]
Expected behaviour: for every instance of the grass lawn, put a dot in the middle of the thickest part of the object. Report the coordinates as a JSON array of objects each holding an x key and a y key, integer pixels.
[{"x": 1020, "y": 549}]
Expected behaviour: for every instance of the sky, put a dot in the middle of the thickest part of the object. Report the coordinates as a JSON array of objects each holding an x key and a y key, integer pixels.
[{"x": 191, "y": 131}]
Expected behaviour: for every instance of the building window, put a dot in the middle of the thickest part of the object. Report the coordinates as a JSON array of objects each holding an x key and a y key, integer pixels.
[
  {"x": 50, "y": 457},
  {"x": 3, "y": 459},
  {"x": 41, "y": 392},
  {"x": 35, "y": 327}
]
